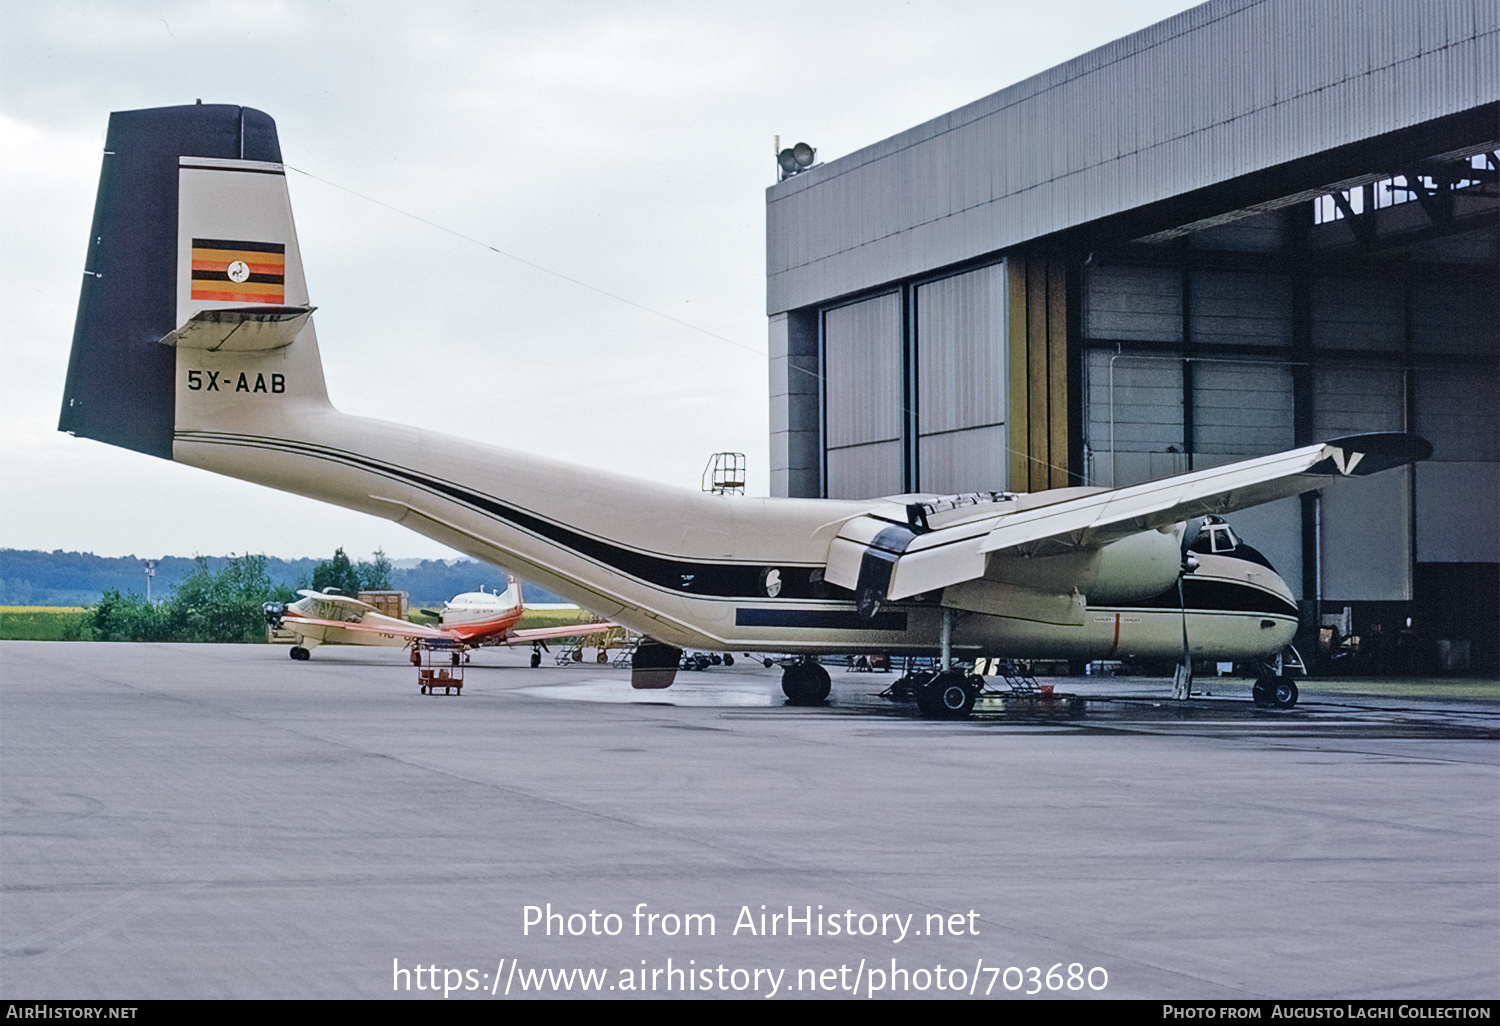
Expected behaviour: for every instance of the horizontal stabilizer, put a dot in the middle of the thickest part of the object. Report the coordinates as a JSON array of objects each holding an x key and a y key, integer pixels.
[{"x": 240, "y": 329}]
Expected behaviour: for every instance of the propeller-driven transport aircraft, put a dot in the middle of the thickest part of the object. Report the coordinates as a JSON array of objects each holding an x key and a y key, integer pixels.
[
  {"x": 470, "y": 620},
  {"x": 195, "y": 342}
]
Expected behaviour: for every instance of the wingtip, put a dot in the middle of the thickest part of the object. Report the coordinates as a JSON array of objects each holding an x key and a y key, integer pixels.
[{"x": 1359, "y": 455}]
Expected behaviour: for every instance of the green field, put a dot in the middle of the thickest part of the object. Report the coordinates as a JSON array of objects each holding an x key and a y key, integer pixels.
[
  {"x": 535, "y": 619},
  {"x": 42, "y": 623},
  {"x": 1403, "y": 687}
]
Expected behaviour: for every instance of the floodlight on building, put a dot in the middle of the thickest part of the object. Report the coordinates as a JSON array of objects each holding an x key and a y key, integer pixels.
[{"x": 795, "y": 159}]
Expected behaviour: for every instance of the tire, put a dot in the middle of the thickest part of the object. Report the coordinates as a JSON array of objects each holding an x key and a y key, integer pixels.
[
  {"x": 602, "y": 657},
  {"x": 536, "y": 660},
  {"x": 1264, "y": 691},
  {"x": 806, "y": 684},
  {"x": 300, "y": 654},
  {"x": 948, "y": 696},
  {"x": 1284, "y": 694},
  {"x": 728, "y": 659}
]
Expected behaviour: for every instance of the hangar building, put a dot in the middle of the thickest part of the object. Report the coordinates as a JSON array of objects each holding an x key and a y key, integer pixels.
[{"x": 1256, "y": 225}]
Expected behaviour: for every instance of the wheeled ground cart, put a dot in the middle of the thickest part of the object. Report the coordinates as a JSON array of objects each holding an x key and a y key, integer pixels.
[{"x": 438, "y": 666}]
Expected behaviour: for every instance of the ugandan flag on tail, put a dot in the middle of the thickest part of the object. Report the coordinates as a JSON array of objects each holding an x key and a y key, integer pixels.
[{"x": 239, "y": 272}]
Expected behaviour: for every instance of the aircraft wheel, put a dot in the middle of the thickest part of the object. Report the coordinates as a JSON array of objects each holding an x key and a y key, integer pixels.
[
  {"x": 424, "y": 689},
  {"x": 602, "y": 657},
  {"x": 806, "y": 684},
  {"x": 536, "y": 660},
  {"x": 1284, "y": 694},
  {"x": 728, "y": 659},
  {"x": 948, "y": 696},
  {"x": 300, "y": 654},
  {"x": 1264, "y": 691},
  {"x": 768, "y": 663}
]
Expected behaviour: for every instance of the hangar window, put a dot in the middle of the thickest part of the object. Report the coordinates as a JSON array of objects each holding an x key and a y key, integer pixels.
[{"x": 1398, "y": 189}]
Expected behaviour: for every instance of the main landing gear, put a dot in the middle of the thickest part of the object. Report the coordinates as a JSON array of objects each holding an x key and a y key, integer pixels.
[
  {"x": 949, "y": 695},
  {"x": 805, "y": 683},
  {"x": 1274, "y": 691},
  {"x": 300, "y": 654},
  {"x": 944, "y": 695}
]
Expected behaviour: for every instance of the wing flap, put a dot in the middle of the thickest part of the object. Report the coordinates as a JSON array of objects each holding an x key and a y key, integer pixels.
[{"x": 930, "y": 569}]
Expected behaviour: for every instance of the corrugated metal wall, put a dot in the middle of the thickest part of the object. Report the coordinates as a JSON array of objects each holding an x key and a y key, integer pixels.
[
  {"x": 1219, "y": 91},
  {"x": 1242, "y": 407}
]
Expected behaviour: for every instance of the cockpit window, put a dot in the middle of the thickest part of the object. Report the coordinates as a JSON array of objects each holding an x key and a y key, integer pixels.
[{"x": 1219, "y": 538}]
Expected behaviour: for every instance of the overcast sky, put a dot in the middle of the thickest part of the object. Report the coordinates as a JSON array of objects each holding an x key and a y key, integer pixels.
[{"x": 624, "y": 145}]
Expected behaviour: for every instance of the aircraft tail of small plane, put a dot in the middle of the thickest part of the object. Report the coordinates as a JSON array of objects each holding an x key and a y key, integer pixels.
[{"x": 195, "y": 343}]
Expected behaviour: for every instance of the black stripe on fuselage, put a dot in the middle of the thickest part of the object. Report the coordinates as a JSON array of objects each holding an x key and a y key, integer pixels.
[
  {"x": 715, "y": 580},
  {"x": 822, "y": 619},
  {"x": 1219, "y": 596}
]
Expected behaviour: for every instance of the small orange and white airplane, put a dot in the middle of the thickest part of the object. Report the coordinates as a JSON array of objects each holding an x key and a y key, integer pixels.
[{"x": 469, "y": 620}]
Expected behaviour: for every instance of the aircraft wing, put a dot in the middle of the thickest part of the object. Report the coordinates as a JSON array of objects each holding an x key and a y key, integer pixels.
[
  {"x": 415, "y": 631},
  {"x": 881, "y": 560},
  {"x": 547, "y": 633},
  {"x": 338, "y": 600}
]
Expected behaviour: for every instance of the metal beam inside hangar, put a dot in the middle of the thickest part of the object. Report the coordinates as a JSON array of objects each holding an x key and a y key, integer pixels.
[{"x": 1254, "y": 225}]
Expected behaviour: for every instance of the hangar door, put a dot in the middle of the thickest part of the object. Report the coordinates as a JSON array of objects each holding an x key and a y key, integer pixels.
[
  {"x": 960, "y": 369},
  {"x": 862, "y": 407},
  {"x": 914, "y": 388}
]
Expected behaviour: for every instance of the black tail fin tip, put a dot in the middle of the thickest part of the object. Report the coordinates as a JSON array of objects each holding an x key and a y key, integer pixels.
[{"x": 120, "y": 380}]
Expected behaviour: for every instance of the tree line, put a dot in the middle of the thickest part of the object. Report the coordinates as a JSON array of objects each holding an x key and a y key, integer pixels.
[
  {"x": 36, "y": 578},
  {"x": 222, "y": 604}
]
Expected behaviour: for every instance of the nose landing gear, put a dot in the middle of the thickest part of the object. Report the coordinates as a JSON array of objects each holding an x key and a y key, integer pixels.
[{"x": 1274, "y": 691}]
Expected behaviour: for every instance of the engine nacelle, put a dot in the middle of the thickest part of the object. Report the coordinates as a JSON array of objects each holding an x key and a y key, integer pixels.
[{"x": 1137, "y": 567}]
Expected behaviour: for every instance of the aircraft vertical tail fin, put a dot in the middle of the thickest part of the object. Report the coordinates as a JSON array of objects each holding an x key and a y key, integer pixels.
[{"x": 193, "y": 282}]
